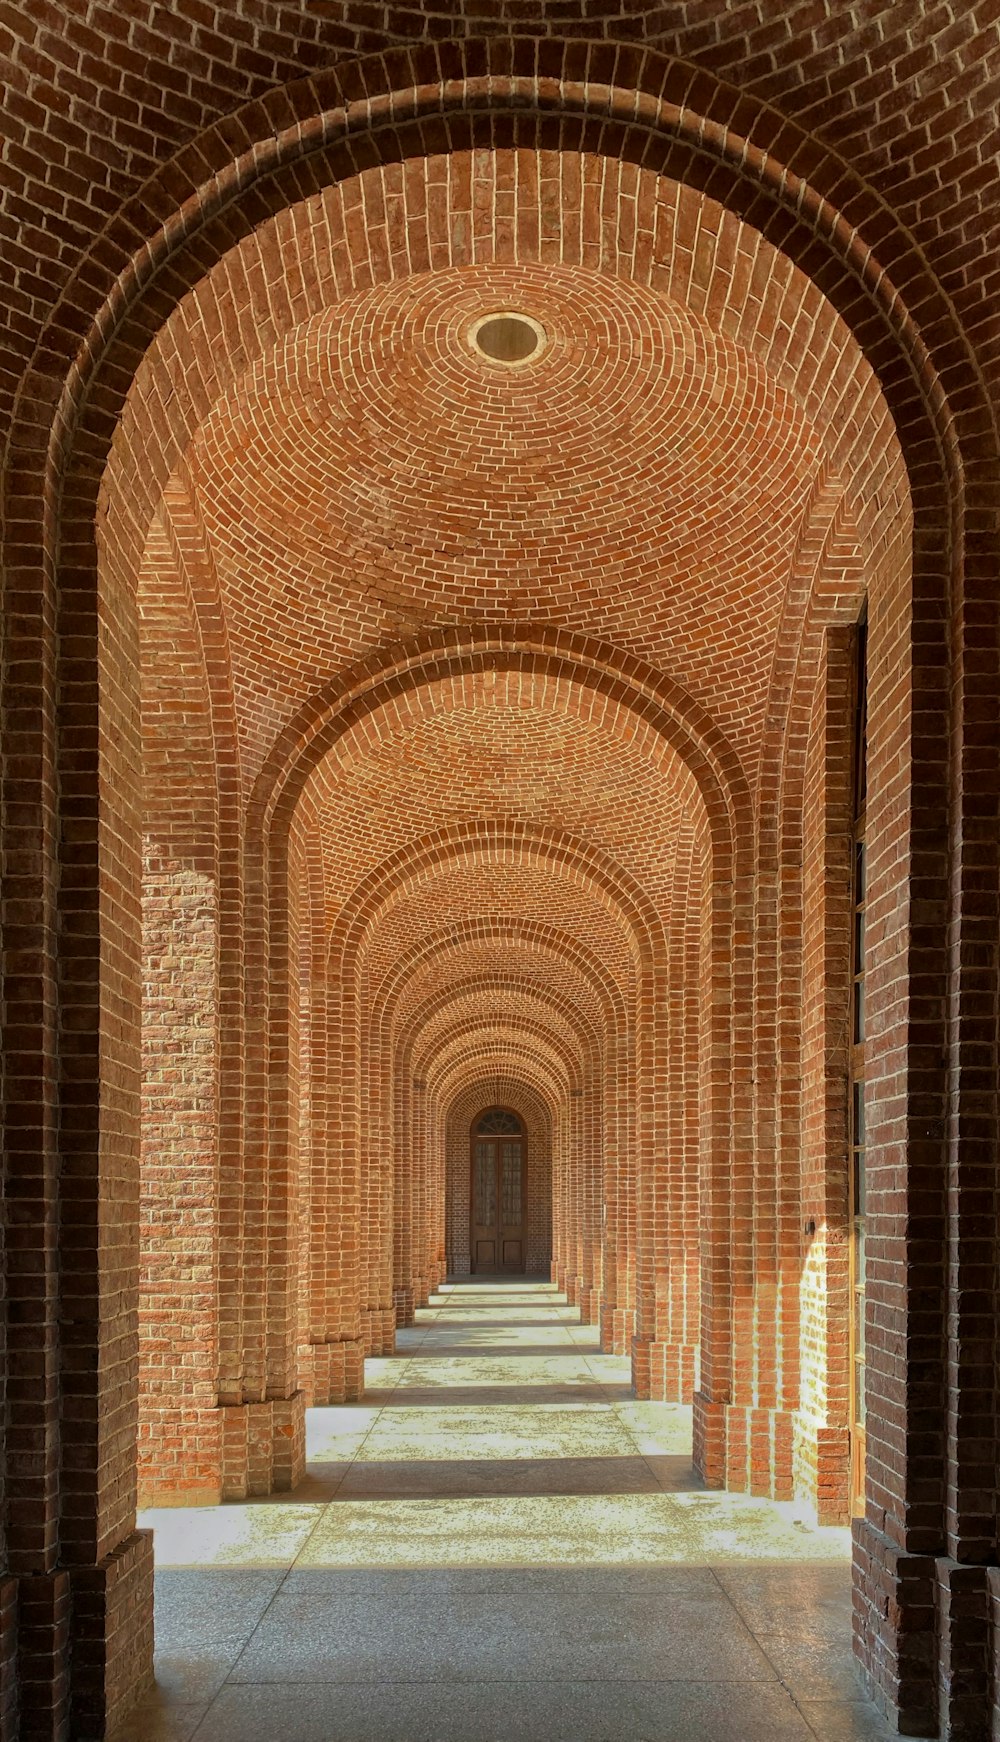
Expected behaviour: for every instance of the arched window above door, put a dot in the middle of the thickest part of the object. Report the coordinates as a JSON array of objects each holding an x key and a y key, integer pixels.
[{"x": 497, "y": 1121}]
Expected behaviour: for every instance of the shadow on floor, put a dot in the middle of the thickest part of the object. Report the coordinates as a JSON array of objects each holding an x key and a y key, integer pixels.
[{"x": 501, "y": 1562}]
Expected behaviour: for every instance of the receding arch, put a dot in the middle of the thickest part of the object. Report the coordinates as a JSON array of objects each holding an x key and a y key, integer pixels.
[{"x": 912, "y": 384}]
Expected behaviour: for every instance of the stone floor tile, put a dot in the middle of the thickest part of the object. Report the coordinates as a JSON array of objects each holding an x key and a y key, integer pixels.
[
  {"x": 548, "y": 1711},
  {"x": 454, "y": 1372},
  {"x": 322, "y": 1482},
  {"x": 203, "y": 1606},
  {"x": 203, "y": 1618},
  {"x": 313, "y": 1635},
  {"x": 795, "y": 1602},
  {"x": 846, "y": 1721},
  {"x": 159, "y": 1718},
  {"x": 811, "y": 1669},
  {"x": 413, "y": 1396},
  {"x": 529, "y": 1530},
  {"x": 582, "y": 1585},
  {"x": 413, "y": 1440},
  {"x": 453, "y": 1477},
  {"x": 674, "y": 1471},
  {"x": 259, "y": 1535},
  {"x": 523, "y": 1546}
]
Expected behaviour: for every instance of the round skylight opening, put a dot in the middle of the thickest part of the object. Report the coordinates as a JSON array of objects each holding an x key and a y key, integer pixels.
[{"x": 508, "y": 338}]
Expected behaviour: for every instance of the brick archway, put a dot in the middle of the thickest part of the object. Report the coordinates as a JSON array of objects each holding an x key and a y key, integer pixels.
[
  {"x": 939, "y": 414},
  {"x": 536, "y": 1113}
]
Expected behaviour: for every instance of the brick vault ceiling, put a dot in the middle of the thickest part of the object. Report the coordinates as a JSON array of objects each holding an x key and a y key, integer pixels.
[
  {"x": 643, "y": 481},
  {"x": 495, "y": 750},
  {"x": 349, "y": 473},
  {"x": 329, "y": 469}
]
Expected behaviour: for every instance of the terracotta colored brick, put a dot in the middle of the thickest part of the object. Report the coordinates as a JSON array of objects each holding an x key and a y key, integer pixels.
[{"x": 387, "y": 734}]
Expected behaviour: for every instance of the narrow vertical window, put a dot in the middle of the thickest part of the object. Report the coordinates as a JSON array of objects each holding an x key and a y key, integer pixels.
[{"x": 856, "y": 1085}]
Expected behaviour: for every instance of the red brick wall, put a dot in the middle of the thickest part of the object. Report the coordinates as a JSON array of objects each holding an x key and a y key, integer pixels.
[
  {"x": 482, "y": 690},
  {"x": 179, "y": 1441},
  {"x": 821, "y": 1446}
]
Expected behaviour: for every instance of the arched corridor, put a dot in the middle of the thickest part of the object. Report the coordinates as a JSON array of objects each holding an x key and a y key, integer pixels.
[{"x": 499, "y": 696}]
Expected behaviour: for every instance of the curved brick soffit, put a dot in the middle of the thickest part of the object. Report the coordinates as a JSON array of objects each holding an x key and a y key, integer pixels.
[
  {"x": 246, "y": 290},
  {"x": 471, "y": 1099},
  {"x": 165, "y": 409},
  {"x": 505, "y": 986},
  {"x": 461, "y": 1009},
  {"x": 411, "y": 994},
  {"x": 594, "y": 1004},
  {"x": 644, "y": 935},
  {"x": 183, "y": 534},
  {"x": 509, "y": 939},
  {"x": 444, "y": 1014},
  {"x": 462, "y": 1016},
  {"x": 480, "y": 1089},
  {"x": 366, "y": 98},
  {"x": 436, "y": 999},
  {"x": 357, "y": 922},
  {"x": 603, "y": 97},
  {"x": 596, "y": 1033},
  {"x": 533, "y": 1048},
  {"x": 557, "y": 688},
  {"x": 609, "y": 98},
  {"x": 447, "y": 848},
  {"x": 578, "y": 861},
  {"x": 520, "y": 938},
  {"x": 619, "y": 100},
  {"x": 521, "y": 1042},
  {"x": 828, "y": 580},
  {"x": 514, "y": 948},
  {"x": 588, "y": 1050},
  {"x": 656, "y": 706},
  {"x": 613, "y": 885}
]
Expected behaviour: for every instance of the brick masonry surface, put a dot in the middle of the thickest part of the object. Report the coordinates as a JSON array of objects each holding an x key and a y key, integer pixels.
[{"x": 389, "y": 734}]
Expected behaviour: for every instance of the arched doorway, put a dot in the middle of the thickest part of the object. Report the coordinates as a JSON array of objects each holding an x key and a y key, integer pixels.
[{"x": 497, "y": 1178}]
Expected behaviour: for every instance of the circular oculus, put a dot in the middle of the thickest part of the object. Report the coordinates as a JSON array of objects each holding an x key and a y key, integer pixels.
[{"x": 507, "y": 337}]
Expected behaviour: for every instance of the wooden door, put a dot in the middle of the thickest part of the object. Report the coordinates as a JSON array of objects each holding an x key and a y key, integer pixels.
[{"x": 497, "y": 1203}]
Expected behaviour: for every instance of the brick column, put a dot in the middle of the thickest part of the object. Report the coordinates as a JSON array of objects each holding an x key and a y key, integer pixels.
[
  {"x": 897, "y": 1579},
  {"x": 80, "y": 1591},
  {"x": 263, "y": 1410}
]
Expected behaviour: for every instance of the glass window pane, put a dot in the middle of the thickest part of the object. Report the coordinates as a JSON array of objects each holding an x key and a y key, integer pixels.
[
  {"x": 858, "y": 1127},
  {"x": 510, "y": 1188},
  {"x": 485, "y": 1211},
  {"x": 497, "y": 1119}
]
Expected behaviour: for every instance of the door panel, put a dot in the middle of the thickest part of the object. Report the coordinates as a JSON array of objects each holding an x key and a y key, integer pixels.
[
  {"x": 484, "y": 1209},
  {"x": 484, "y": 1204},
  {"x": 497, "y": 1204},
  {"x": 511, "y": 1203},
  {"x": 510, "y": 1186}
]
